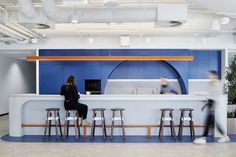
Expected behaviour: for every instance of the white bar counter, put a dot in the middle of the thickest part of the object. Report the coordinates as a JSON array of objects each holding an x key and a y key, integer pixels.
[{"x": 139, "y": 110}]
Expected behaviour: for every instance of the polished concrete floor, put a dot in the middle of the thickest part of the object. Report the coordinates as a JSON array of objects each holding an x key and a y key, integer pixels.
[{"x": 10, "y": 149}]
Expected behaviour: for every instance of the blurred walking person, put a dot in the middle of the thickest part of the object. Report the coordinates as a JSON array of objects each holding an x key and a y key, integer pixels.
[{"x": 214, "y": 91}]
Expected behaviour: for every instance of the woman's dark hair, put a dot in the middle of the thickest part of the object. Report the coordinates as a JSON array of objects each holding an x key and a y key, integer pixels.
[{"x": 70, "y": 80}]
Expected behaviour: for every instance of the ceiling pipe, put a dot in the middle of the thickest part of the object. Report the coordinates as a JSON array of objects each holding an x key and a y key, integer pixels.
[
  {"x": 13, "y": 40},
  {"x": 91, "y": 15},
  {"x": 20, "y": 34},
  {"x": 99, "y": 15},
  {"x": 10, "y": 34},
  {"x": 15, "y": 26},
  {"x": 27, "y": 9},
  {"x": 8, "y": 39},
  {"x": 8, "y": 29},
  {"x": 55, "y": 14}
]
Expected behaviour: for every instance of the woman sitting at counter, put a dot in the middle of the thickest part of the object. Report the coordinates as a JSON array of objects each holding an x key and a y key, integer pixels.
[{"x": 70, "y": 91}]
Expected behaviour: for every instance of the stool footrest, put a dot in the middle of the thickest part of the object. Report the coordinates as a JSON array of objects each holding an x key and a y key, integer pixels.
[
  {"x": 52, "y": 118},
  {"x": 118, "y": 118},
  {"x": 186, "y": 119},
  {"x": 167, "y": 119},
  {"x": 71, "y": 118},
  {"x": 98, "y": 118}
]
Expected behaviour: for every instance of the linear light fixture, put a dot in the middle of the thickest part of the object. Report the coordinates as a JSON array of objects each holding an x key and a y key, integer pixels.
[{"x": 109, "y": 58}]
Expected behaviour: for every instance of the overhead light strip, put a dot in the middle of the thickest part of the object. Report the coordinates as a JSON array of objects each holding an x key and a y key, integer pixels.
[{"x": 109, "y": 58}]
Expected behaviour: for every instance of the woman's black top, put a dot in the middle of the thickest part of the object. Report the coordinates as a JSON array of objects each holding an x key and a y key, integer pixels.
[{"x": 71, "y": 96}]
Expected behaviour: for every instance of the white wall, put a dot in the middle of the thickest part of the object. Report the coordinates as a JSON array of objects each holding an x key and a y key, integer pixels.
[
  {"x": 137, "y": 86},
  {"x": 16, "y": 76}
]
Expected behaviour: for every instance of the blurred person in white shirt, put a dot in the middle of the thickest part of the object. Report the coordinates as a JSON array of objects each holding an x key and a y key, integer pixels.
[{"x": 214, "y": 93}]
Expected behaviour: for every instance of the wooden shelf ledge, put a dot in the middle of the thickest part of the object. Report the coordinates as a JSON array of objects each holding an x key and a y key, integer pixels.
[
  {"x": 149, "y": 127},
  {"x": 109, "y": 58}
]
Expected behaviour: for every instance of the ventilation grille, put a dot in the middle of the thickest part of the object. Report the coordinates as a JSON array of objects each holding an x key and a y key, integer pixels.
[
  {"x": 37, "y": 26},
  {"x": 168, "y": 23},
  {"x": 174, "y": 23}
]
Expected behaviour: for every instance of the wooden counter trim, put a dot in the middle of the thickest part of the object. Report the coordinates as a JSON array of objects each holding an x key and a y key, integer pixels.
[
  {"x": 108, "y": 126},
  {"x": 109, "y": 58}
]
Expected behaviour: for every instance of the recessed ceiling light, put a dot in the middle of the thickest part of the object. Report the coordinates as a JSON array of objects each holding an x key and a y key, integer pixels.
[
  {"x": 74, "y": 19},
  {"x": 91, "y": 40},
  {"x": 215, "y": 25},
  {"x": 147, "y": 40},
  {"x": 34, "y": 41},
  {"x": 204, "y": 40},
  {"x": 225, "y": 20},
  {"x": 43, "y": 35},
  {"x": 141, "y": 34}
]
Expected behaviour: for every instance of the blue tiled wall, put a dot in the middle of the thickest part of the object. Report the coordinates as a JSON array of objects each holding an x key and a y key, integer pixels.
[{"x": 52, "y": 74}]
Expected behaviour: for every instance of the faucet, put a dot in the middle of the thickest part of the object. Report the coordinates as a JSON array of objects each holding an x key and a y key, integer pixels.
[
  {"x": 132, "y": 92},
  {"x": 156, "y": 90}
]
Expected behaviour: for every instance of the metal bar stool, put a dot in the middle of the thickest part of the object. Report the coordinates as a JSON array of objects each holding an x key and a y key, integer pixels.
[
  {"x": 183, "y": 118},
  {"x": 164, "y": 118},
  {"x": 72, "y": 115},
  {"x": 120, "y": 118},
  {"x": 98, "y": 118},
  {"x": 52, "y": 115}
]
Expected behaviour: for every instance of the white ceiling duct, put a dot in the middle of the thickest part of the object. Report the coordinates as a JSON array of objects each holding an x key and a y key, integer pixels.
[
  {"x": 27, "y": 9},
  {"x": 55, "y": 14},
  {"x": 106, "y": 15},
  {"x": 91, "y": 15},
  {"x": 99, "y": 15}
]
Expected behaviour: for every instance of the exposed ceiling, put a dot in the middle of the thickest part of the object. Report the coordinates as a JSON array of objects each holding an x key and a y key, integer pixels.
[{"x": 201, "y": 13}]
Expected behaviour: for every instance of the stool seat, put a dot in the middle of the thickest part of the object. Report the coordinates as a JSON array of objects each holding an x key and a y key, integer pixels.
[
  {"x": 117, "y": 109},
  {"x": 98, "y": 109},
  {"x": 167, "y": 109},
  {"x": 52, "y": 109},
  {"x": 186, "y": 109}
]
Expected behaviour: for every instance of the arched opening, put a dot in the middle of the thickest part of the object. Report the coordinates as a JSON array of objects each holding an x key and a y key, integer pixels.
[{"x": 147, "y": 70}]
